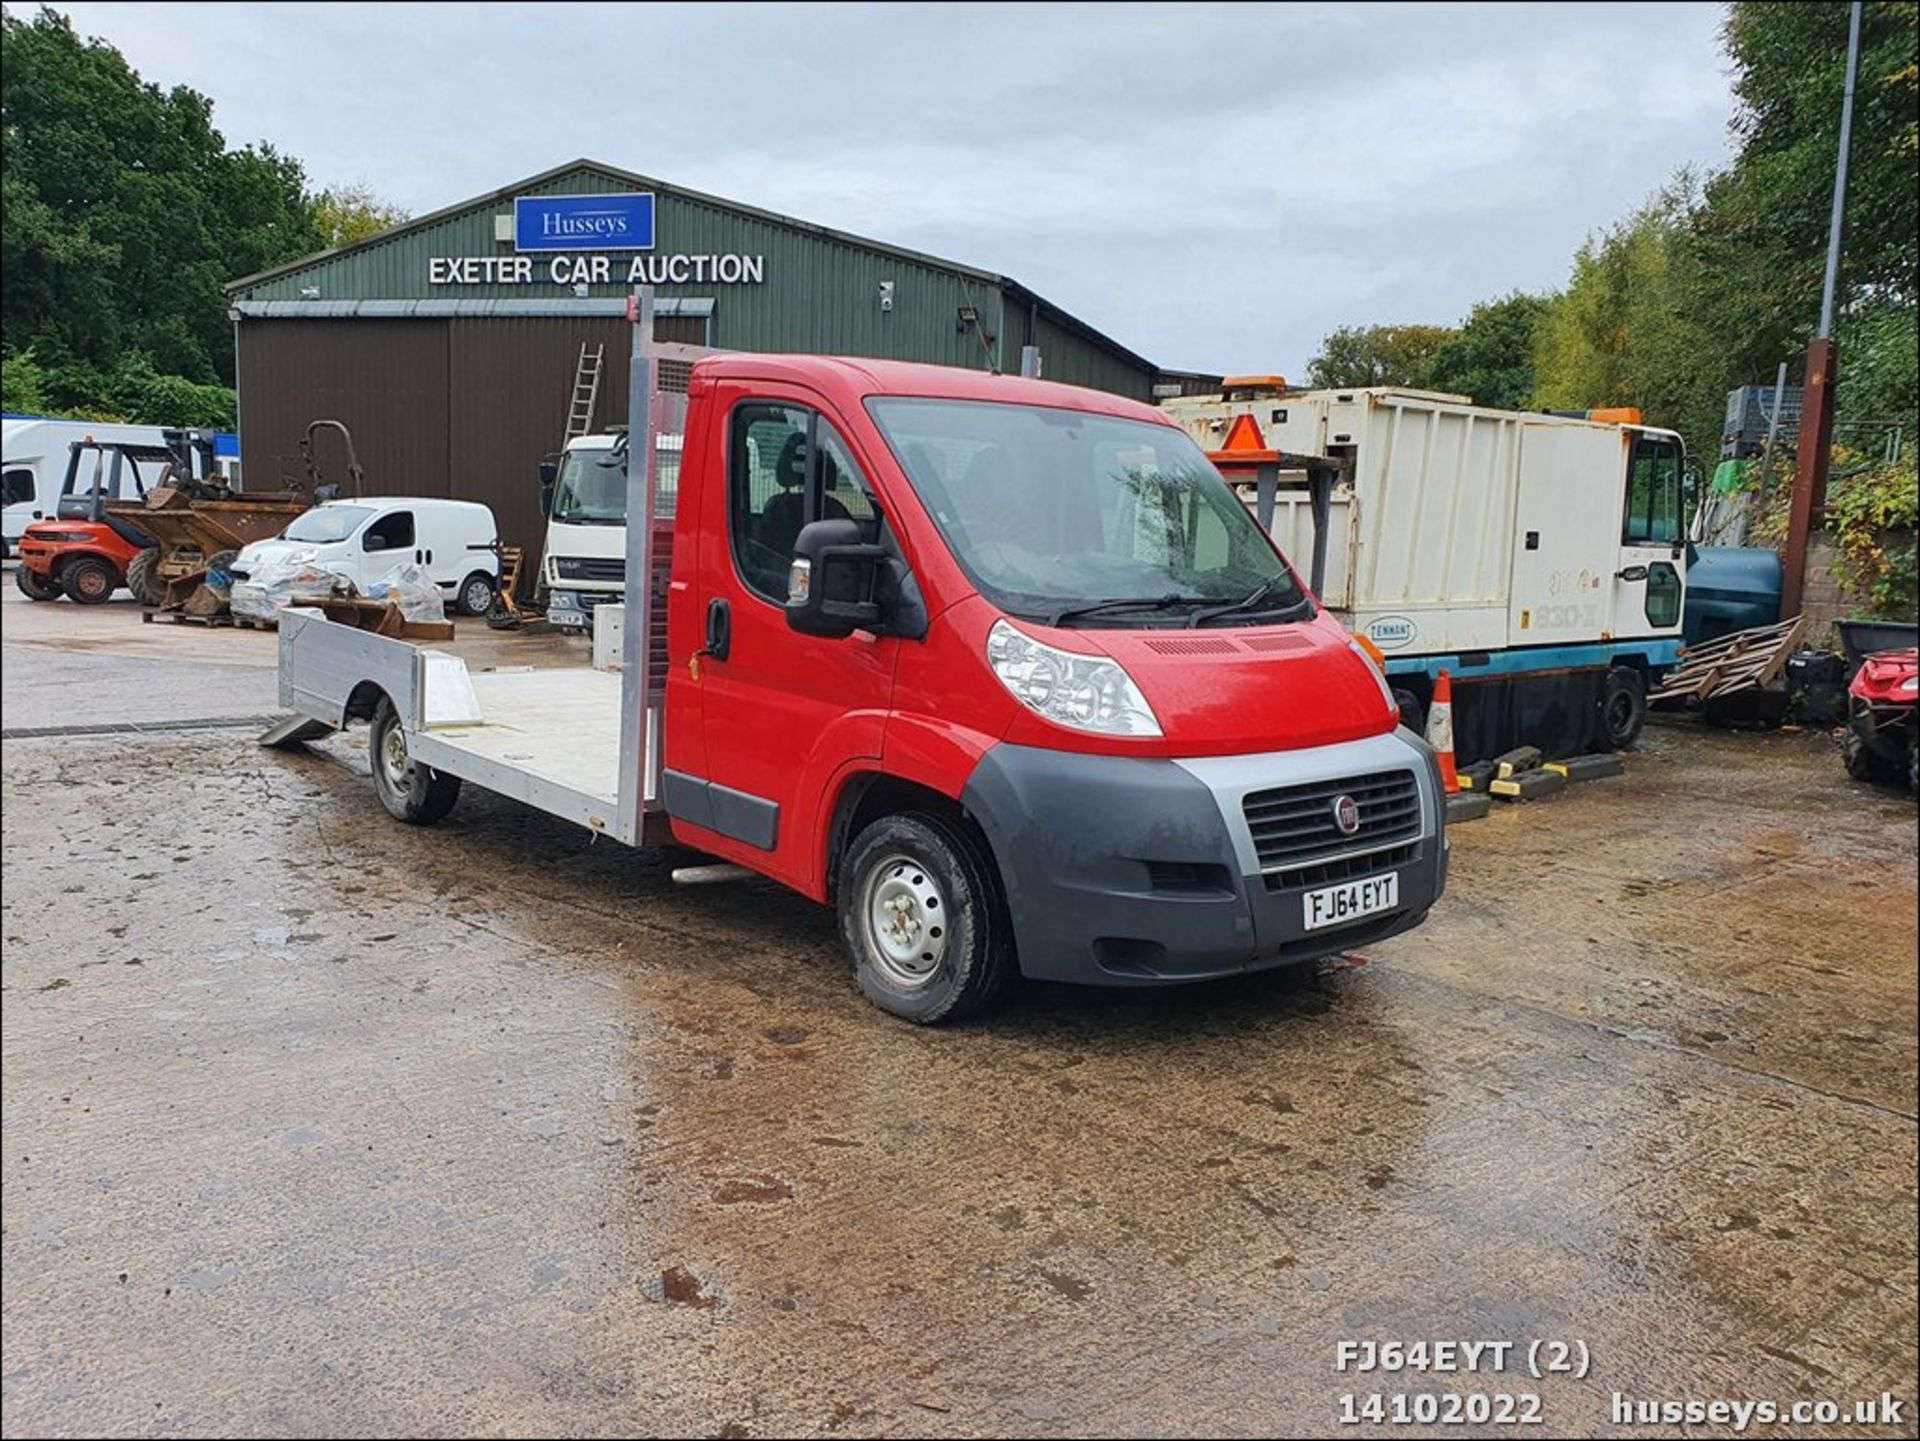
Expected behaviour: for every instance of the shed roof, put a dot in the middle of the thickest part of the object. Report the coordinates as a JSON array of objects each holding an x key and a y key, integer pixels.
[{"x": 1015, "y": 291}]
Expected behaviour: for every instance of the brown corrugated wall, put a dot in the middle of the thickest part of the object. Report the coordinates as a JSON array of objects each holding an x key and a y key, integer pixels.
[{"x": 442, "y": 407}]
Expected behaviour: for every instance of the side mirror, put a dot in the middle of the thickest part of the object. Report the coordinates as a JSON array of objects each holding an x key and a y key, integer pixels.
[
  {"x": 546, "y": 495},
  {"x": 549, "y": 472},
  {"x": 830, "y": 587},
  {"x": 374, "y": 541}
]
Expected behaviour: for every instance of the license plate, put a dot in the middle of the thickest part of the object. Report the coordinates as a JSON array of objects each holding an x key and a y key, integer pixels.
[{"x": 1339, "y": 905}]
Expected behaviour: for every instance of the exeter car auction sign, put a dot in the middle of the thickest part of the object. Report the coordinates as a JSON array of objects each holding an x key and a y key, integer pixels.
[
  {"x": 551, "y": 232},
  {"x": 596, "y": 270}
]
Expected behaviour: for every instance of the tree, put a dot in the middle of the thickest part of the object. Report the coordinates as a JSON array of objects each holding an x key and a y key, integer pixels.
[
  {"x": 1491, "y": 356},
  {"x": 1630, "y": 327},
  {"x": 123, "y": 213},
  {"x": 1766, "y": 216},
  {"x": 1378, "y": 355},
  {"x": 352, "y": 213}
]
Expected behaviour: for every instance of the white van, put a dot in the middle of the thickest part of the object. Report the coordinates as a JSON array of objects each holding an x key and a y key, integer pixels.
[
  {"x": 364, "y": 539},
  {"x": 33, "y": 465}
]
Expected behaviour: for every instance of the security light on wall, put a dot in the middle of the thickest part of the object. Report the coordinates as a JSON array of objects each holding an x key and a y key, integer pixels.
[
  {"x": 968, "y": 316},
  {"x": 886, "y": 295},
  {"x": 309, "y": 292}
]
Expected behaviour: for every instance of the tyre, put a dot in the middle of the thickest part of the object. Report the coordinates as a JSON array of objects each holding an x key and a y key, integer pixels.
[
  {"x": 1623, "y": 707},
  {"x": 476, "y": 594},
  {"x": 36, "y": 587},
  {"x": 1413, "y": 715},
  {"x": 1861, "y": 763},
  {"x": 416, "y": 794},
  {"x": 89, "y": 580},
  {"x": 149, "y": 587},
  {"x": 923, "y": 918}
]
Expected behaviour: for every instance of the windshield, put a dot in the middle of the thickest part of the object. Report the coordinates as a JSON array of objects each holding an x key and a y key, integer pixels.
[
  {"x": 325, "y": 524},
  {"x": 1053, "y": 510},
  {"x": 592, "y": 491}
]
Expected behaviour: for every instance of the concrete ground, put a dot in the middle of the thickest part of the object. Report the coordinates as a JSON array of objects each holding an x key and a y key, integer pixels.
[{"x": 316, "y": 1124}]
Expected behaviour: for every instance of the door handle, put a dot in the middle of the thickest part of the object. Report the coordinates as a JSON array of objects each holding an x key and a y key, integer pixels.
[
  {"x": 429, "y": 557},
  {"x": 1632, "y": 572},
  {"x": 719, "y": 628},
  {"x": 416, "y": 557}
]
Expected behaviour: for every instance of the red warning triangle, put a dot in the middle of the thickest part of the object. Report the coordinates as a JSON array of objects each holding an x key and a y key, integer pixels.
[{"x": 1245, "y": 434}]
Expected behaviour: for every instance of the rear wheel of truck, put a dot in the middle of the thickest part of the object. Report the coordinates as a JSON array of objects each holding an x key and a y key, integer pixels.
[
  {"x": 149, "y": 587},
  {"x": 36, "y": 587},
  {"x": 89, "y": 580},
  {"x": 476, "y": 594},
  {"x": 411, "y": 792},
  {"x": 1623, "y": 707},
  {"x": 923, "y": 918}
]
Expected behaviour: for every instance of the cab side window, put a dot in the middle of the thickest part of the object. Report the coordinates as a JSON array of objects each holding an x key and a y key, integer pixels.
[
  {"x": 18, "y": 486},
  {"x": 393, "y": 531},
  {"x": 786, "y": 467},
  {"x": 1653, "y": 493}
]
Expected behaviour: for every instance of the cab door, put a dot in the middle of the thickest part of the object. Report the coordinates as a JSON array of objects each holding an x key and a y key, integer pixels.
[
  {"x": 782, "y": 713},
  {"x": 1649, "y": 584}
]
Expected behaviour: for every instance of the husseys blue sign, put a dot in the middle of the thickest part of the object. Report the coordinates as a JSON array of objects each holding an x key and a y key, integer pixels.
[{"x": 583, "y": 222}]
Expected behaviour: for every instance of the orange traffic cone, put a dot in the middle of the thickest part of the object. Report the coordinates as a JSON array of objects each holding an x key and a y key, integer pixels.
[{"x": 1440, "y": 732}]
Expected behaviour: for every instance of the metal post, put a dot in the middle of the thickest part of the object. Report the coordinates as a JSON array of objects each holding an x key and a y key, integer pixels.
[
  {"x": 1816, "y": 411},
  {"x": 1840, "y": 171},
  {"x": 1320, "y": 495},
  {"x": 636, "y": 649}
]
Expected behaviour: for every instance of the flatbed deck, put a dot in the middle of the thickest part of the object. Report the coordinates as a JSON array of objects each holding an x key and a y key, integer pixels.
[{"x": 547, "y": 737}]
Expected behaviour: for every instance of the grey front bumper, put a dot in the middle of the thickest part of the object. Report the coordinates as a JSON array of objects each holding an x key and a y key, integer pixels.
[{"x": 1121, "y": 871}]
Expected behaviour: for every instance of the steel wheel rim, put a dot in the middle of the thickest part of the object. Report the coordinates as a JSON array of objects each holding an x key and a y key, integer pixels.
[
  {"x": 479, "y": 596},
  {"x": 906, "y": 921},
  {"x": 90, "y": 582},
  {"x": 394, "y": 765},
  {"x": 1619, "y": 713}
]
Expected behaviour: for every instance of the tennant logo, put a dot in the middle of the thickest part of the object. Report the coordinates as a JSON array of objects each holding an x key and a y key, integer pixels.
[
  {"x": 583, "y": 222},
  {"x": 1390, "y": 632}
]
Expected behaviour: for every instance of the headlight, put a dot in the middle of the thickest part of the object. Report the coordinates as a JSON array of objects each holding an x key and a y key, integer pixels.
[
  {"x": 1375, "y": 668},
  {"x": 1084, "y": 692},
  {"x": 1911, "y": 685}
]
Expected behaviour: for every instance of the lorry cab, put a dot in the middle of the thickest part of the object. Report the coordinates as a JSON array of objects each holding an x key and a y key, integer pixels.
[
  {"x": 1038, "y": 616},
  {"x": 365, "y": 538},
  {"x": 586, "y": 508}
]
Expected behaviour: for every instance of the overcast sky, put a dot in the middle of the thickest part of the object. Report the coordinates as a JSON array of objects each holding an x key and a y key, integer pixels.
[{"x": 1214, "y": 187}]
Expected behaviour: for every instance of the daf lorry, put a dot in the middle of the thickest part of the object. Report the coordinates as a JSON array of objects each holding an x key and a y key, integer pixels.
[
  {"x": 1540, "y": 559},
  {"x": 586, "y": 507},
  {"x": 998, "y": 668}
]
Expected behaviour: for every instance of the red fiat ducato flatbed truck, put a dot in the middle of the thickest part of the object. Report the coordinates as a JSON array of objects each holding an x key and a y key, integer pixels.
[{"x": 999, "y": 668}]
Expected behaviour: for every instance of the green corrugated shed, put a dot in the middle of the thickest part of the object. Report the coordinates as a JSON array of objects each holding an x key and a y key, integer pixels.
[{"x": 821, "y": 292}]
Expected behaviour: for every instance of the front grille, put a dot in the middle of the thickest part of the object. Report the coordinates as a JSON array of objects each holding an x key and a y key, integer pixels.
[
  {"x": 1343, "y": 868},
  {"x": 611, "y": 569},
  {"x": 1293, "y": 826}
]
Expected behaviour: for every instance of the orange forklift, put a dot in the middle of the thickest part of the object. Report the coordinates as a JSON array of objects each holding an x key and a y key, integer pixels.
[{"x": 83, "y": 553}]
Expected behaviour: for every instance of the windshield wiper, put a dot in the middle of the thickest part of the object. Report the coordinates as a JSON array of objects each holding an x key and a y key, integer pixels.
[
  {"x": 1098, "y": 607},
  {"x": 1249, "y": 601}
]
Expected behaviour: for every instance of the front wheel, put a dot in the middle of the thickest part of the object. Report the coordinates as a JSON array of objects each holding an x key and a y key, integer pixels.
[
  {"x": 35, "y": 586},
  {"x": 923, "y": 918},
  {"x": 411, "y": 792},
  {"x": 144, "y": 579},
  {"x": 1623, "y": 707},
  {"x": 476, "y": 594},
  {"x": 89, "y": 580}
]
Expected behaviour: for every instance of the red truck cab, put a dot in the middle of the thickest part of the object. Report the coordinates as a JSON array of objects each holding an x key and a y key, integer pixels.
[{"x": 1003, "y": 670}]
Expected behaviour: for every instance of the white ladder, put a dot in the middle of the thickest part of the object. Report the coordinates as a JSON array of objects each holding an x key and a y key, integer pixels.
[{"x": 586, "y": 390}]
